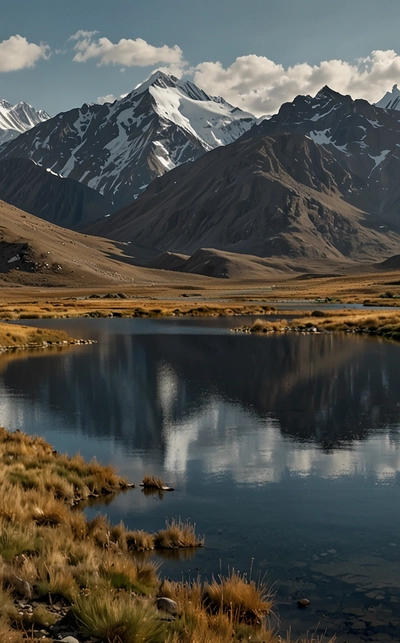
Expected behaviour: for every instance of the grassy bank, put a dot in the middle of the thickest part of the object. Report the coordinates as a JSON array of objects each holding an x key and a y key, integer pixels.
[
  {"x": 63, "y": 575},
  {"x": 121, "y": 306},
  {"x": 16, "y": 336},
  {"x": 60, "y": 572},
  {"x": 381, "y": 323},
  {"x": 13, "y": 336}
]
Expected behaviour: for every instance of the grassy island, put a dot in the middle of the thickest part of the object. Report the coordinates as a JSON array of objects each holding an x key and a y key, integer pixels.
[
  {"x": 64, "y": 575},
  {"x": 381, "y": 323}
]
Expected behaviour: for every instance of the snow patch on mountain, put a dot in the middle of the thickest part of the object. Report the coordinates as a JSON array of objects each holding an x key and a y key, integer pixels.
[
  {"x": 321, "y": 138},
  {"x": 378, "y": 159},
  {"x": 391, "y": 100}
]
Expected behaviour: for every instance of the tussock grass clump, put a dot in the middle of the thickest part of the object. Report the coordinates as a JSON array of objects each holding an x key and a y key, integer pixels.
[
  {"x": 139, "y": 540},
  {"x": 178, "y": 534},
  {"x": 118, "y": 619},
  {"x": 199, "y": 623},
  {"x": 242, "y": 599},
  {"x": 125, "y": 573},
  {"x": 152, "y": 482},
  {"x": 17, "y": 539}
]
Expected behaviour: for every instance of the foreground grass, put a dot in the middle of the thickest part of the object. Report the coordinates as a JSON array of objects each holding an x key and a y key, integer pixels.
[
  {"x": 382, "y": 323},
  {"x": 54, "y": 562}
]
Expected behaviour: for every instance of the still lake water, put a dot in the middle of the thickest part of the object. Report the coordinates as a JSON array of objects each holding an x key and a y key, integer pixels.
[{"x": 283, "y": 449}]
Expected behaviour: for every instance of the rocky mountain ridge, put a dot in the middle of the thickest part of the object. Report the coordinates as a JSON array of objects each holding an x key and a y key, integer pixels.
[
  {"x": 268, "y": 196},
  {"x": 119, "y": 148},
  {"x": 363, "y": 138},
  {"x": 16, "y": 119}
]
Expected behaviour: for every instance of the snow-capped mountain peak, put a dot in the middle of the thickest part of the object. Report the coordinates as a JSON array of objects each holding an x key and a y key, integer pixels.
[
  {"x": 209, "y": 118},
  {"x": 391, "y": 100},
  {"x": 119, "y": 148},
  {"x": 16, "y": 119}
]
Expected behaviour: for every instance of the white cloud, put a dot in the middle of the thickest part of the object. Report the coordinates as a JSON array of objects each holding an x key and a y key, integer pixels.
[
  {"x": 259, "y": 85},
  {"x": 109, "y": 98},
  {"x": 81, "y": 34},
  {"x": 17, "y": 53},
  {"x": 126, "y": 52}
]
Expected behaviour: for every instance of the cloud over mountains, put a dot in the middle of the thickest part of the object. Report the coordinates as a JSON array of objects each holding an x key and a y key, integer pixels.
[
  {"x": 252, "y": 82},
  {"x": 17, "y": 53},
  {"x": 126, "y": 52},
  {"x": 259, "y": 85}
]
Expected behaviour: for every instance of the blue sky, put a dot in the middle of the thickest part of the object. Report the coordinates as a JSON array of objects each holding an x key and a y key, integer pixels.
[{"x": 257, "y": 54}]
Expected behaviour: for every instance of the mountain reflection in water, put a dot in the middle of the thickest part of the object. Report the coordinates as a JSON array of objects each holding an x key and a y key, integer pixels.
[
  {"x": 282, "y": 448},
  {"x": 176, "y": 392}
]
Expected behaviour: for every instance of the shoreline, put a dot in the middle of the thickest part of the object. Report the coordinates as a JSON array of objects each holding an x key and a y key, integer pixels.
[
  {"x": 385, "y": 324},
  {"x": 15, "y": 337},
  {"x": 64, "y": 575}
]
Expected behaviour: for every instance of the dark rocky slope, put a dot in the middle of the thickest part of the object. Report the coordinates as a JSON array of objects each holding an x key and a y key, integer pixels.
[{"x": 65, "y": 202}]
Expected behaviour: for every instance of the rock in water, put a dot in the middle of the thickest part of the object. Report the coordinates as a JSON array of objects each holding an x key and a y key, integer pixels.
[
  {"x": 303, "y": 602},
  {"x": 167, "y": 605}
]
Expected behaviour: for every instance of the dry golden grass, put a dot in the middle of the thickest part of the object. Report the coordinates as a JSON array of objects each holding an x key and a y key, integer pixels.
[
  {"x": 139, "y": 540},
  {"x": 15, "y": 335},
  {"x": 152, "y": 482},
  {"x": 48, "y": 550},
  {"x": 382, "y": 323},
  {"x": 200, "y": 622},
  {"x": 117, "y": 619},
  {"x": 178, "y": 534},
  {"x": 243, "y": 600}
]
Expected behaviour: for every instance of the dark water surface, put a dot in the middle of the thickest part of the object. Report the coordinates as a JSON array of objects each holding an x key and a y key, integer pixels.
[{"x": 283, "y": 449}]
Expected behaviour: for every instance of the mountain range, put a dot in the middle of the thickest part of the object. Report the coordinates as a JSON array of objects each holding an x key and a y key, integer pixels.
[
  {"x": 119, "y": 148},
  {"x": 281, "y": 195},
  {"x": 168, "y": 170}
]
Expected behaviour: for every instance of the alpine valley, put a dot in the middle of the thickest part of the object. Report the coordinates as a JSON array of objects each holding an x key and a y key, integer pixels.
[{"x": 171, "y": 172}]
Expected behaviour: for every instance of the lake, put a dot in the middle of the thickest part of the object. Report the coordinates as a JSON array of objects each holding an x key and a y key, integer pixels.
[{"x": 283, "y": 449}]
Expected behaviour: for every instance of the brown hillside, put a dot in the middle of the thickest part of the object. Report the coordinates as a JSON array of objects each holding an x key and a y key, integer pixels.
[
  {"x": 272, "y": 196},
  {"x": 35, "y": 252}
]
